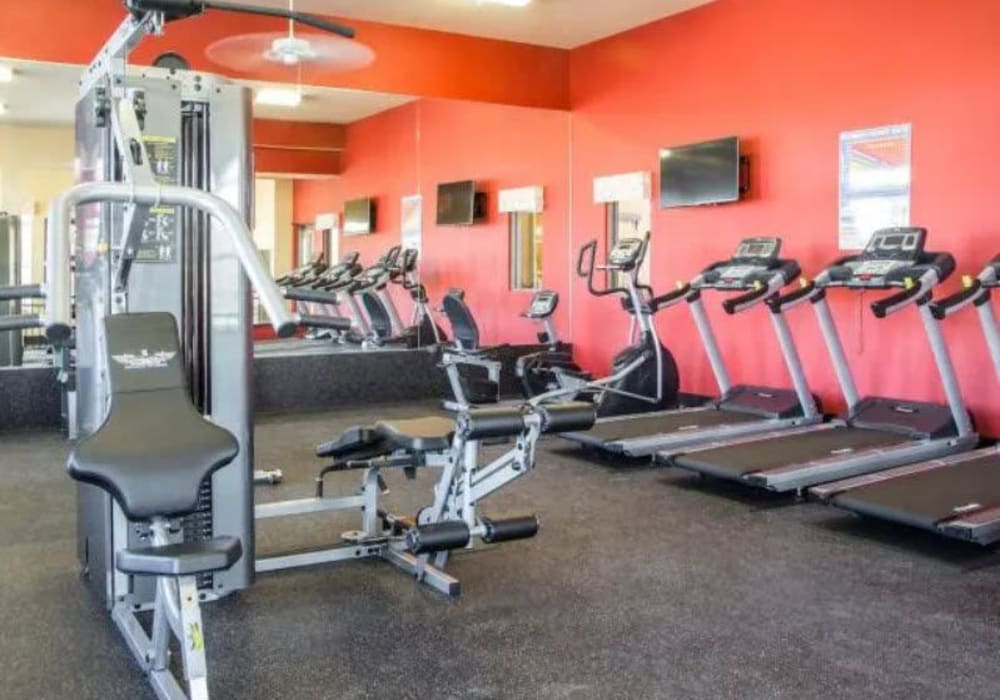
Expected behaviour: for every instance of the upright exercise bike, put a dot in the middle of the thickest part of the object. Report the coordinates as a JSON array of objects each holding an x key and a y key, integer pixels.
[
  {"x": 644, "y": 374},
  {"x": 541, "y": 372}
]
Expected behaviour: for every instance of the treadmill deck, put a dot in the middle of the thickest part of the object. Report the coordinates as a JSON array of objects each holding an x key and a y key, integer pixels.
[
  {"x": 736, "y": 461},
  {"x": 652, "y": 425},
  {"x": 927, "y": 498}
]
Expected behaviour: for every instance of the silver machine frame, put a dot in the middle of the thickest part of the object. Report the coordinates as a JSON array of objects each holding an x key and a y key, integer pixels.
[
  {"x": 461, "y": 487},
  {"x": 798, "y": 476},
  {"x": 981, "y": 525},
  {"x": 672, "y": 443}
]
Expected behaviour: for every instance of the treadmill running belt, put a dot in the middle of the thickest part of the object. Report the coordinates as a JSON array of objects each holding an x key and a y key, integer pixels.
[
  {"x": 924, "y": 499},
  {"x": 746, "y": 458},
  {"x": 650, "y": 426}
]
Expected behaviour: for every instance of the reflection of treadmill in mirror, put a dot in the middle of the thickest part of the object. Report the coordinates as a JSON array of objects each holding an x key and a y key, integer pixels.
[
  {"x": 757, "y": 271},
  {"x": 876, "y": 433},
  {"x": 958, "y": 496}
]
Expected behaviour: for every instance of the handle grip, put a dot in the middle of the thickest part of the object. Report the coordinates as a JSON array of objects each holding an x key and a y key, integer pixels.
[
  {"x": 972, "y": 294},
  {"x": 783, "y": 303},
  {"x": 894, "y": 302},
  {"x": 335, "y": 323},
  {"x": 20, "y": 323},
  {"x": 745, "y": 301},
  {"x": 24, "y": 291},
  {"x": 667, "y": 300}
]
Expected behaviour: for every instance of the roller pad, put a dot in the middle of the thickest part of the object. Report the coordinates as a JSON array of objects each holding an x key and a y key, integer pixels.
[
  {"x": 437, "y": 537},
  {"x": 520, "y": 528},
  {"x": 492, "y": 423},
  {"x": 568, "y": 417}
]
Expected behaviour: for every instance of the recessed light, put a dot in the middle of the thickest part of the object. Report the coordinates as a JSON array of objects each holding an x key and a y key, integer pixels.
[
  {"x": 508, "y": 3},
  {"x": 278, "y": 97}
]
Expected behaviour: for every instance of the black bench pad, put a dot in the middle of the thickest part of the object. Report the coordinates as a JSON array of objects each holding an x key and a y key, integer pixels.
[
  {"x": 183, "y": 559},
  {"x": 430, "y": 434}
]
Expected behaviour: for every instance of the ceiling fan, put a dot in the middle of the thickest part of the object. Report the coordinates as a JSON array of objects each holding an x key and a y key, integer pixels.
[{"x": 272, "y": 52}]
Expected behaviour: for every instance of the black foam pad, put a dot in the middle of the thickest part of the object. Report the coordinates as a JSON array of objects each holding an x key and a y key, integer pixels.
[
  {"x": 154, "y": 449},
  {"x": 431, "y": 434},
  {"x": 182, "y": 559},
  {"x": 463, "y": 324}
]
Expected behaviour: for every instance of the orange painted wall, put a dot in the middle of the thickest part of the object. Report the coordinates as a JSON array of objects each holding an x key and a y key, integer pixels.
[
  {"x": 411, "y": 150},
  {"x": 409, "y": 61},
  {"x": 787, "y": 77}
]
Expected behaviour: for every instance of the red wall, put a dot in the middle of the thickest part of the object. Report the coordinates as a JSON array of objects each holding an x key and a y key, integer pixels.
[
  {"x": 411, "y": 150},
  {"x": 788, "y": 76},
  {"x": 408, "y": 60}
]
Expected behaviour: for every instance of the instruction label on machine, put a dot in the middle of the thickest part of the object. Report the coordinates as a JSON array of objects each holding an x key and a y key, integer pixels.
[{"x": 159, "y": 236}]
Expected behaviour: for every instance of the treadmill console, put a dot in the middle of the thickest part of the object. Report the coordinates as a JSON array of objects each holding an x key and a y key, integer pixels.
[
  {"x": 626, "y": 254},
  {"x": 891, "y": 256},
  {"x": 755, "y": 262},
  {"x": 543, "y": 304}
]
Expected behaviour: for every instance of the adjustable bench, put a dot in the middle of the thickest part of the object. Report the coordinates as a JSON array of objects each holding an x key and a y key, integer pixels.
[
  {"x": 152, "y": 454},
  {"x": 421, "y": 545}
]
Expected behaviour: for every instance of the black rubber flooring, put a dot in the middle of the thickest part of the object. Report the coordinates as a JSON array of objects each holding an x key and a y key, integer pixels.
[{"x": 643, "y": 583}]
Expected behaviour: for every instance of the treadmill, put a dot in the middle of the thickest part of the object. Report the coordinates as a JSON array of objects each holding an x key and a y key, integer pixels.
[
  {"x": 760, "y": 273},
  {"x": 876, "y": 433},
  {"x": 958, "y": 496}
]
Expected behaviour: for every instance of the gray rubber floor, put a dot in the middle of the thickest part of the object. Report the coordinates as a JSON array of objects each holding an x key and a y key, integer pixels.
[{"x": 643, "y": 583}]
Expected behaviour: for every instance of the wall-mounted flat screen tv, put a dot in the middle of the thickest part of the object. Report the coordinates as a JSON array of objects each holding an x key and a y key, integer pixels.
[
  {"x": 359, "y": 217},
  {"x": 700, "y": 173},
  {"x": 459, "y": 204}
]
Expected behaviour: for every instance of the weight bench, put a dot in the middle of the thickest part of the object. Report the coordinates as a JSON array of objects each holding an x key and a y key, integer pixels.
[
  {"x": 420, "y": 545},
  {"x": 152, "y": 454}
]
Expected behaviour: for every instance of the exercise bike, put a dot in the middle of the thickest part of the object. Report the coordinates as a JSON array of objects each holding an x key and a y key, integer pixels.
[
  {"x": 540, "y": 372},
  {"x": 643, "y": 375}
]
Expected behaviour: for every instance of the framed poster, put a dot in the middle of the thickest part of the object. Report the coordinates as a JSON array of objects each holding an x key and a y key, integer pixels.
[
  {"x": 412, "y": 221},
  {"x": 874, "y": 182}
]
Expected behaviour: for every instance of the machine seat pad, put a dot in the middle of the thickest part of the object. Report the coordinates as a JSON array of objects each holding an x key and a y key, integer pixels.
[
  {"x": 430, "y": 434},
  {"x": 182, "y": 559},
  {"x": 152, "y": 453},
  {"x": 353, "y": 440}
]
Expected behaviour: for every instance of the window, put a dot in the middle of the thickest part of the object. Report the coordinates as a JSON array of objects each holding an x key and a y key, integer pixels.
[
  {"x": 630, "y": 219},
  {"x": 525, "y": 250},
  {"x": 305, "y": 234}
]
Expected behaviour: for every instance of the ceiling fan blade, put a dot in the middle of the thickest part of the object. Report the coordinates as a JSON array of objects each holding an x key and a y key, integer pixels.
[{"x": 258, "y": 54}]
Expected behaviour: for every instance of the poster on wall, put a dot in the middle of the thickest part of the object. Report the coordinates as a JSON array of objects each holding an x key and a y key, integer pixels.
[
  {"x": 412, "y": 218},
  {"x": 874, "y": 182}
]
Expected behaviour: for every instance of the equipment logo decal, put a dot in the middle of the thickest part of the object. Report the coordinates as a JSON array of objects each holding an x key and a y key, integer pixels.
[{"x": 145, "y": 359}]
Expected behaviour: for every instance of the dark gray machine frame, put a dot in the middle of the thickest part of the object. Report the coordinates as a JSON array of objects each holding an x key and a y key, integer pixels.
[
  {"x": 161, "y": 224},
  {"x": 957, "y": 496}
]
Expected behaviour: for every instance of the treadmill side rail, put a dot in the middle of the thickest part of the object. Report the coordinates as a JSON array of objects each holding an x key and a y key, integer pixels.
[{"x": 798, "y": 476}]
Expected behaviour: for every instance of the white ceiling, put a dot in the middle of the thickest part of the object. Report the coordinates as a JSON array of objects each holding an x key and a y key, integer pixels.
[
  {"x": 560, "y": 23},
  {"x": 46, "y": 93}
]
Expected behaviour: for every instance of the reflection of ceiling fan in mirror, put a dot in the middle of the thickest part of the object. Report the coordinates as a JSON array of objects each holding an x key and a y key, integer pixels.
[{"x": 267, "y": 51}]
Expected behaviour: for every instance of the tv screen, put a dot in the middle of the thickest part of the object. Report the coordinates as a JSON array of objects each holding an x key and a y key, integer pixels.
[
  {"x": 700, "y": 173},
  {"x": 359, "y": 217},
  {"x": 456, "y": 205}
]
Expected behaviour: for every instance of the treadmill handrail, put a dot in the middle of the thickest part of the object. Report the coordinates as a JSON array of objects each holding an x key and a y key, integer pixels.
[
  {"x": 975, "y": 293},
  {"x": 807, "y": 293},
  {"x": 57, "y": 303},
  {"x": 919, "y": 293}
]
